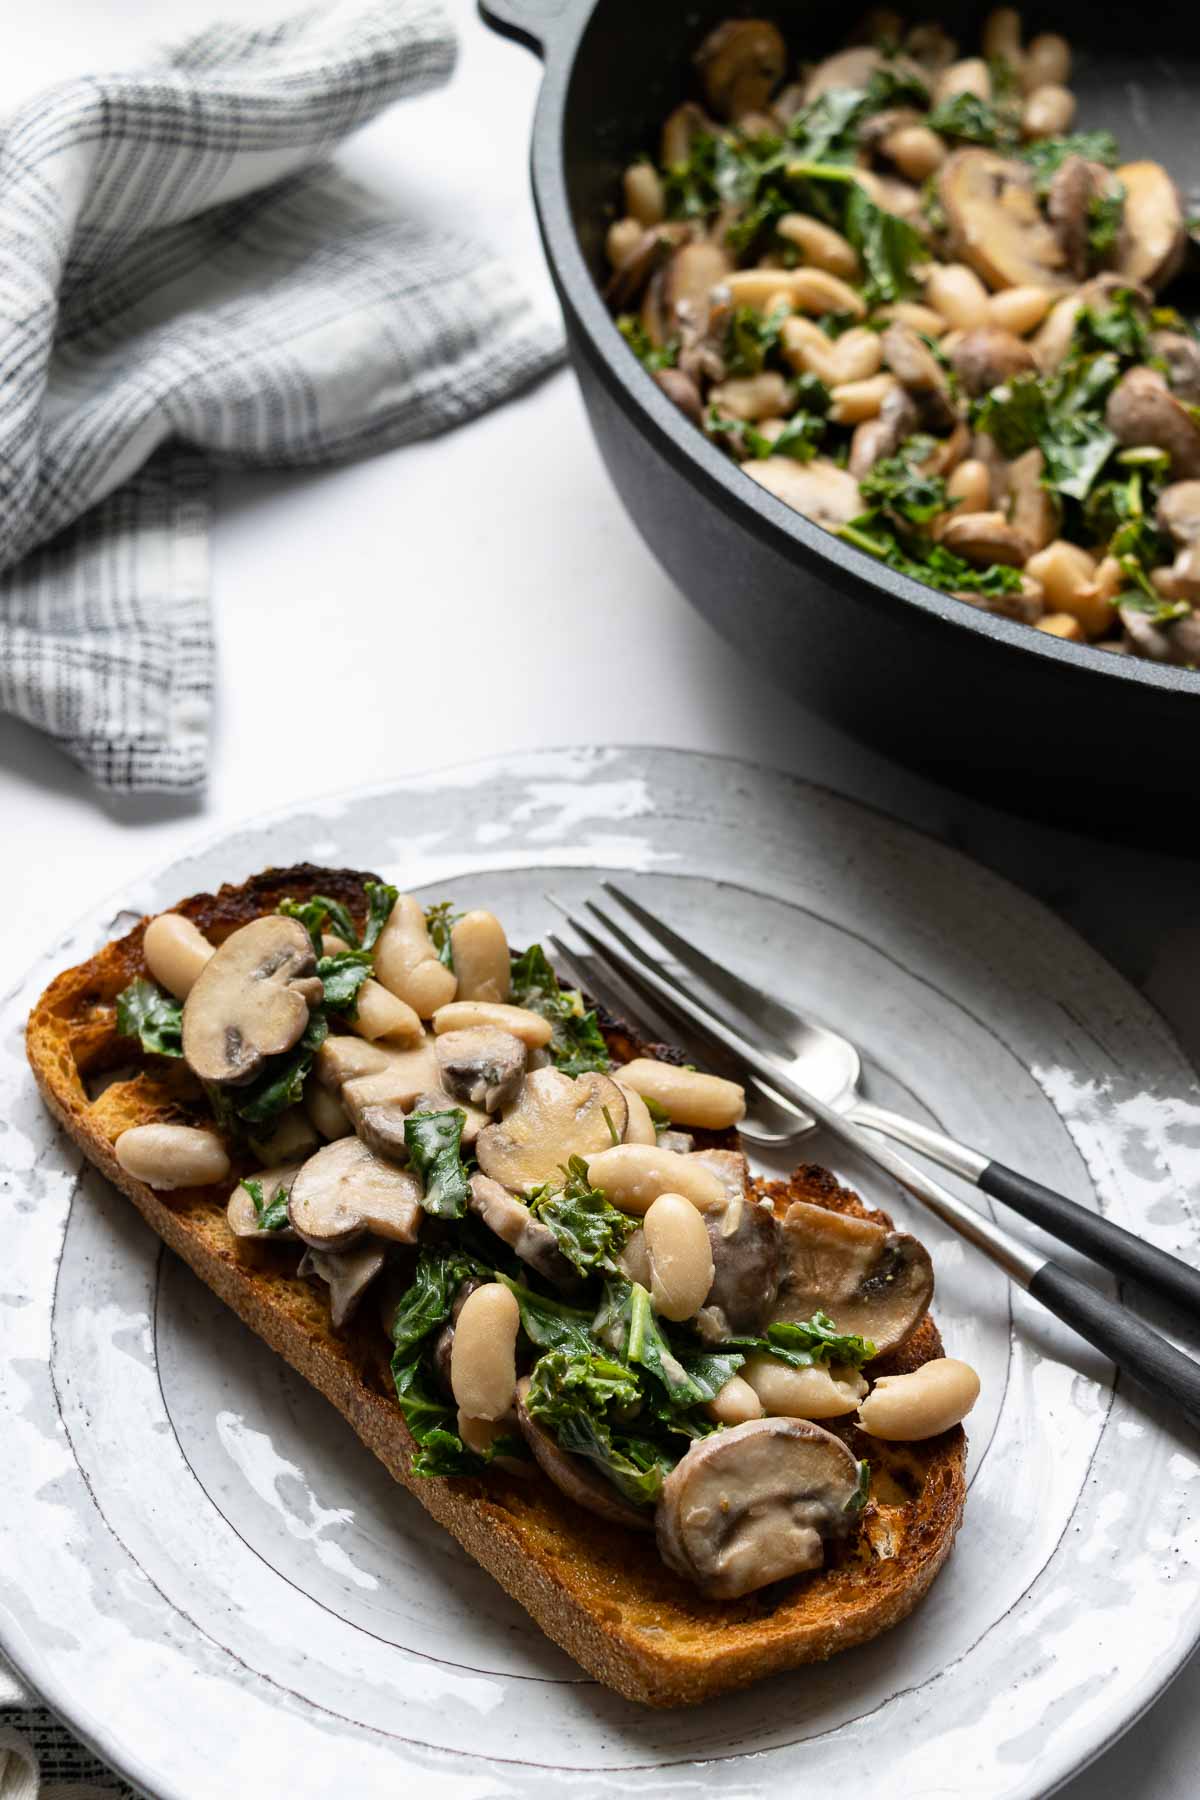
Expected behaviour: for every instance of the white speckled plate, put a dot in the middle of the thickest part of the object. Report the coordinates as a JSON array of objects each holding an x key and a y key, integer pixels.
[{"x": 211, "y": 1580}]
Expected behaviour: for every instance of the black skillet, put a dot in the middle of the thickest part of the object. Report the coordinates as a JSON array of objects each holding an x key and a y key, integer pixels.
[{"x": 1039, "y": 726}]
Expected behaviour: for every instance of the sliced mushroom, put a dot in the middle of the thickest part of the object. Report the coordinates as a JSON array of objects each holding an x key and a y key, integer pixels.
[
  {"x": 987, "y": 357},
  {"x": 343, "y": 1059},
  {"x": 293, "y": 1138},
  {"x": 1179, "y": 516},
  {"x": 680, "y": 131},
  {"x": 917, "y": 370},
  {"x": 873, "y": 1283},
  {"x": 1142, "y": 410},
  {"x": 345, "y": 1190},
  {"x": 740, "y": 65},
  {"x": 482, "y": 1066},
  {"x": 747, "y": 1256},
  {"x": 1027, "y": 604},
  {"x": 242, "y": 1215},
  {"x": 347, "y": 1273},
  {"x": 682, "y": 390},
  {"x": 883, "y": 435},
  {"x": 994, "y": 224},
  {"x": 573, "y": 1477},
  {"x": 853, "y": 69},
  {"x": 250, "y": 1000},
  {"x": 1053, "y": 338},
  {"x": 1032, "y": 511},
  {"x": 1068, "y": 205},
  {"x": 515, "y": 1225},
  {"x": 731, "y": 1169},
  {"x": 1154, "y": 233},
  {"x": 554, "y": 1119},
  {"x": 650, "y": 253},
  {"x": 755, "y": 1504},
  {"x": 1182, "y": 357},
  {"x": 984, "y": 538},
  {"x": 824, "y": 493}
]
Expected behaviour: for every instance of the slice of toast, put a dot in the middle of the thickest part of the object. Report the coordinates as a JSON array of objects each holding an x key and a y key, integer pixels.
[{"x": 598, "y": 1590}]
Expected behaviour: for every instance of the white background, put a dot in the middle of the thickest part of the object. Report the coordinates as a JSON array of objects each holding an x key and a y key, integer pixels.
[{"x": 485, "y": 593}]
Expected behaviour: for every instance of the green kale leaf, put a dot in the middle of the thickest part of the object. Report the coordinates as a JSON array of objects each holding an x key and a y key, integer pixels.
[
  {"x": 968, "y": 120},
  {"x": 931, "y": 563},
  {"x": 577, "y": 1045},
  {"x": 434, "y": 1141},
  {"x": 343, "y": 975},
  {"x": 575, "y": 1398},
  {"x": 589, "y": 1231},
  {"x": 440, "y": 921},
  {"x": 280, "y": 1084},
  {"x": 897, "y": 486},
  {"x": 381, "y": 897},
  {"x": 428, "y": 1301},
  {"x": 271, "y": 1217},
  {"x": 1105, "y": 214},
  {"x": 154, "y": 1018},
  {"x": 1046, "y": 156},
  {"x": 551, "y": 1324},
  {"x": 320, "y": 914},
  {"x": 626, "y": 1323},
  {"x": 888, "y": 245}
]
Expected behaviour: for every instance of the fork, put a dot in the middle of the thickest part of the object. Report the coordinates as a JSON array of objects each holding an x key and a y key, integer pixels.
[{"x": 769, "y": 1057}]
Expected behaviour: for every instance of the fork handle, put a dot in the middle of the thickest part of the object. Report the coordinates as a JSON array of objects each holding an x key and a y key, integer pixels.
[
  {"x": 1154, "y": 1364},
  {"x": 1154, "y": 1270}
]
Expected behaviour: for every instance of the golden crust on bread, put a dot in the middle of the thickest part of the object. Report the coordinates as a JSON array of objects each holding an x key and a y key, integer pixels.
[{"x": 598, "y": 1590}]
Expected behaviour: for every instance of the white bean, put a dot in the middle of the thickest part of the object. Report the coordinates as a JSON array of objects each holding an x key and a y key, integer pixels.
[
  {"x": 736, "y": 1403},
  {"x": 480, "y": 1434},
  {"x": 483, "y": 1356},
  {"x": 1047, "y": 62},
  {"x": 906, "y": 1408},
  {"x": 644, "y": 197},
  {"x": 856, "y": 355},
  {"x": 958, "y": 294},
  {"x": 175, "y": 952},
  {"x": 820, "y": 245},
  {"x": 971, "y": 485},
  {"x": 326, "y": 1112},
  {"x": 622, "y": 239},
  {"x": 1020, "y": 309},
  {"x": 915, "y": 150},
  {"x": 1001, "y": 36},
  {"x": 681, "y": 1262},
  {"x": 854, "y": 401},
  {"x": 461, "y": 1015},
  {"x": 687, "y": 1096},
  {"x": 639, "y": 1128},
  {"x": 479, "y": 950},
  {"x": 632, "y": 1176},
  {"x": 816, "y": 1393},
  {"x": 970, "y": 76},
  {"x": 383, "y": 1015},
  {"x": 407, "y": 963},
  {"x": 333, "y": 945},
  {"x": 172, "y": 1156},
  {"x": 1048, "y": 111}
]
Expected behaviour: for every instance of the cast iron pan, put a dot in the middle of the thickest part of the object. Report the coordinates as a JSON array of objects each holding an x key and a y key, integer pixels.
[{"x": 993, "y": 707}]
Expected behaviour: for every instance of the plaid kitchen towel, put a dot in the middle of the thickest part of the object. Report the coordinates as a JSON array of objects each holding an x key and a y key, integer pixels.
[{"x": 184, "y": 278}]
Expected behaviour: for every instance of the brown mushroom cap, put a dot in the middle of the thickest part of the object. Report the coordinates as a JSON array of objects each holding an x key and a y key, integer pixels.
[
  {"x": 515, "y": 1225},
  {"x": 1154, "y": 233},
  {"x": 740, "y": 65},
  {"x": 554, "y": 1119},
  {"x": 873, "y": 1283},
  {"x": 345, "y": 1190},
  {"x": 986, "y": 357},
  {"x": 573, "y": 1477},
  {"x": 824, "y": 493},
  {"x": 1075, "y": 185},
  {"x": 481, "y": 1065},
  {"x": 994, "y": 223},
  {"x": 919, "y": 372},
  {"x": 984, "y": 538},
  {"x": 682, "y": 390},
  {"x": 250, "y": 1000},
  {"x": 1142, "y": 410},
  {"x": 755, "y": 1504},
  {"x": 347, "y": 1273},
  {"x": 1182, "y": 357},
  {"x": 747, "y": 1258},
  {"x": 650, "y": 253}
]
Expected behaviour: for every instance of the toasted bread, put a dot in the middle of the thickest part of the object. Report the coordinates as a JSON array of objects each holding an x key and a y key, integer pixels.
[{"x": 598, "y": 1590}]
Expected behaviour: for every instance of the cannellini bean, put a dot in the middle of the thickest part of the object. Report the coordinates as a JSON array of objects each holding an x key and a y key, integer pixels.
[
  {"x": 634, "y": 1260},
  {"x": 1063, "y": 569},
  {"x": 621, "y": 240},
  {"x": 911, "y": 312},
  {"x": 816, "y": 1393},
  {"x": 970, "y": 76},
  {"x": 915, "y": 150},
  {"x": 811, "y": 290},
  {"x": 820, "y": 245},
  {"x": 736, "y": 1403},
  {"x": 903, "y": 1409},
  {"x": 751, "y": 397},
  {"x": 632, "y": 1176},
  {"x": 971, "y": 485},
  {"x": 1047, "y": 62},
  {"x": 1019, "y": 310},
  {"x": 172, "y": 1156},
  {"x": 461, "y": 1015},
  {"x": 644, "y": 198},
  {"x": 325, "y": 1112},
  {"x": 807, "y": 350},
  {"x": 479, "y": 950},
  {"x": 480, "y": 1434},
  {"x": 958, "y": 294},
  {"x": 333, "y": 945},
  {"x": 853, "y": 401},
  {"x": 1062, "y": 625},
  {"x": 483, "y": 1357},
  {"x": 1091, "y": 604},
  {"x": 1001, "y": 36},
  {"x": 1048, "y": 111},
  {"x": 382, "y": 1015},
  {"x": 175, "y": 952},
  {"x": 406, "y": 962},
  {"x": 687, "y": 1096},
  {"x": 681, "y": 1261},
  {"x": 639, "y": 1128},
  {"x": 856, "y": 355}
]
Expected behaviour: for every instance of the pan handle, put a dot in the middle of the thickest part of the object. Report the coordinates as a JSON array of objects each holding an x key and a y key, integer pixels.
[{"x": 534, "y": 23}]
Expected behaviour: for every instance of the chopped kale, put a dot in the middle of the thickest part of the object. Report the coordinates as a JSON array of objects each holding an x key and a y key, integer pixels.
[
  {"x": 589, "y": 1231},
  {"x": 577, "y": 1045},
  {"x": 434, "y": 1142},
  {"x": 154, "y": 1018},
  {"x": 273, "y": 1216},
  {"x": 651, "y": 356}
]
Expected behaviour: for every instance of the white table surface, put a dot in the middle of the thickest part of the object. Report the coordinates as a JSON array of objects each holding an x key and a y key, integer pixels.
[{"x": 499, "y": 560}]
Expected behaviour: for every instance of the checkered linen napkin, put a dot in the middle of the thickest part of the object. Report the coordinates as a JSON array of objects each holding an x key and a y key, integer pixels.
[{"x": 184, "y": 278}]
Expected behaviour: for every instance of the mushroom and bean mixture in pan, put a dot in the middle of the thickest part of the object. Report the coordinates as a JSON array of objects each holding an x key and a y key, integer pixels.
[
  {"x": 436, "y": 1135},
  {"x": 921, "y": 308}
]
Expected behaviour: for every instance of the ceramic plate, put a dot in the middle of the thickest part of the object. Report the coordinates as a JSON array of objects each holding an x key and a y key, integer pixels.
[{"x": 212, "y": 1581}]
